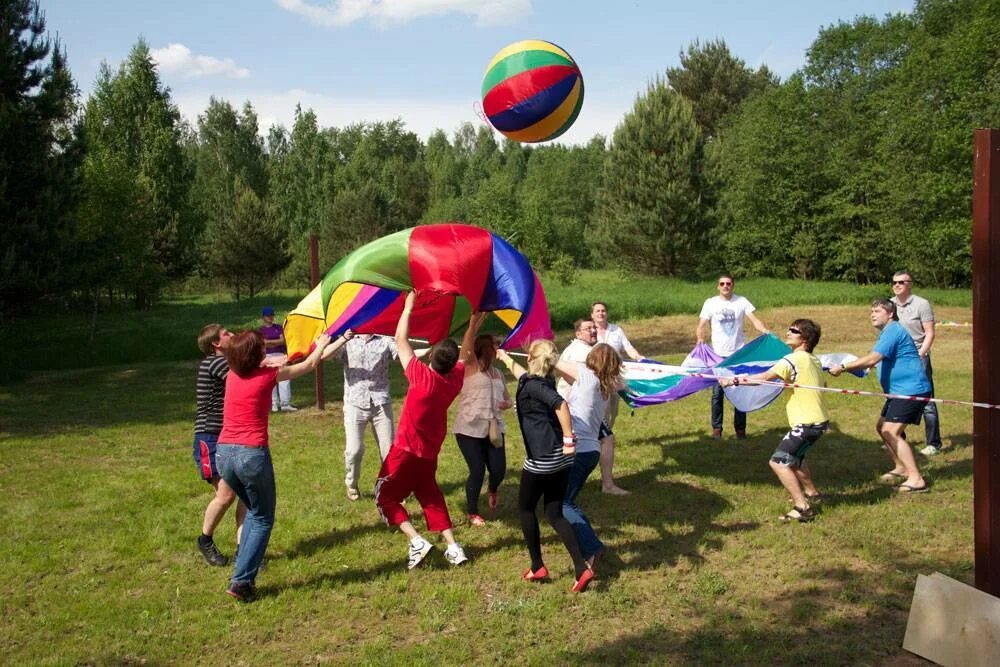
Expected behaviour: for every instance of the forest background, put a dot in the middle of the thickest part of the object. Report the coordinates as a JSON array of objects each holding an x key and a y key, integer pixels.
[{"x": 856, "y": 164}]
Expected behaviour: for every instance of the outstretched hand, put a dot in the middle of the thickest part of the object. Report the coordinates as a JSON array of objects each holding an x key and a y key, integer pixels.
[
  {"x": 322, "y": 340},
  {"x": 411, "y": 299}
]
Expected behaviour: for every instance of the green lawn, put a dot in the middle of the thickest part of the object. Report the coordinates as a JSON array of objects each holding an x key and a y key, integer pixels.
[{"x": 98, "y": 562}]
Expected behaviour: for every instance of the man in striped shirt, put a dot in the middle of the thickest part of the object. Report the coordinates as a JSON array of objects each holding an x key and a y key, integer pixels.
[{"x": 211, "y": 388}]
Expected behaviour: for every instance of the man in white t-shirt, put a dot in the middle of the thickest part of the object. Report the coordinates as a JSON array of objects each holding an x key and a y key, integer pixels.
[
  {"x": 584, "y": 338},
  {"x": 725, "y": 314}
]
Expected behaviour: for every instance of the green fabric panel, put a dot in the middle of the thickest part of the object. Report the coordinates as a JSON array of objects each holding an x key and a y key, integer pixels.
[
  {"x": 771, "y": 348},
  {"x": 519, "y": 62},
  {"x": 384, "y": 263}
]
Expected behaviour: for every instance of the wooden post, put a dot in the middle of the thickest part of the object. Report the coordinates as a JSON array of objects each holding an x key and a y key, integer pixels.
[
  {"x": 313, "y": 281},
  {"x": 986, "y": 357}
]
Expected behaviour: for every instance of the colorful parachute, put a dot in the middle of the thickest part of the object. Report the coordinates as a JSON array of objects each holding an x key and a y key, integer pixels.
[
  {"x": 454, "y": 269},
  {"x": 652, "y": 383}
]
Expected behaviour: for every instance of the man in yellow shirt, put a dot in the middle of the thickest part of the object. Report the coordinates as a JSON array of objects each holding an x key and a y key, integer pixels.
[{"x": 806, "y": 416}]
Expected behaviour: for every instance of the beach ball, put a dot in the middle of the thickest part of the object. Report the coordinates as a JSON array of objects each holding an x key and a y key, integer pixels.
[{"x": 532, "y": 91}]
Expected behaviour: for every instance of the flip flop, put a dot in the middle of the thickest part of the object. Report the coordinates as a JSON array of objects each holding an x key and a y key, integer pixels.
[
  {"x": 891, "y": 477},
  {"x": 907, "y": 489}
]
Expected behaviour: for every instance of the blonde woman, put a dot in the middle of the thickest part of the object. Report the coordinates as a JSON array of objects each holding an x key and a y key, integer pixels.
[
  {"x": 484, "y": 395},
  {"x": 549, "y": 446}
]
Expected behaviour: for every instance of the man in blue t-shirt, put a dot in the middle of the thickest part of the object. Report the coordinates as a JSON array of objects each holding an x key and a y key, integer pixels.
[{"x": 901, "y": 373}]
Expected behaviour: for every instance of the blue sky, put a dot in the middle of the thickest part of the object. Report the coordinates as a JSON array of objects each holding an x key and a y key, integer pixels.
[{"x": 423, "y": 60}]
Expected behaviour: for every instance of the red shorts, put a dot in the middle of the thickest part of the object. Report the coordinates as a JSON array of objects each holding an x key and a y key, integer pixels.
[{"x": 404, "y": 473}]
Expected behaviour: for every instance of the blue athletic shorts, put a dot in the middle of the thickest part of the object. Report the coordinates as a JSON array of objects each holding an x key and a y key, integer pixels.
[
  {"x": 204, "y": 455},
  {"x": 903, "y": 411}
]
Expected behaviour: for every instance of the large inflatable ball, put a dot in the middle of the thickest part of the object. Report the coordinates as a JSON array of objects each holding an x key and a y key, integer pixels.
[{"x": 532, "y": 91}]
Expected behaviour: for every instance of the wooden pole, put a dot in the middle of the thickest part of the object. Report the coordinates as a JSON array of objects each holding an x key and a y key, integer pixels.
[
  {"x": 986, "y": 357},
  {"x": 313, "y": 281}
]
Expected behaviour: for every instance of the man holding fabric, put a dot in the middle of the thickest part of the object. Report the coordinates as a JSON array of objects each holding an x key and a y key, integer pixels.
[
  {"x": 917, "y": 317},
  {"x": 901, "y": 373},
  {"x": 725, "y": 314}
]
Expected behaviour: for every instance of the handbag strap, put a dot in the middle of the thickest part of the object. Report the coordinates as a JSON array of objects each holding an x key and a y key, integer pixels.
[{"x": 493, "y": 401}]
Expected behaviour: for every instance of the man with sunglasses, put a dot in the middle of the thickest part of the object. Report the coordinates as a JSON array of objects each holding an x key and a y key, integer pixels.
[
  {"x": 725, "y": 314},
  {"x": 917, "y": 317},
  {"x": 901, "y": 374},
  {"x": 807, "y": 417}
]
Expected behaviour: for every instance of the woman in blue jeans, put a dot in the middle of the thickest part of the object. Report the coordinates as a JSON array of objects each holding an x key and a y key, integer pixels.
[
  {"x": 593, "y": 384},
  {"x": 242, "y": 454}
]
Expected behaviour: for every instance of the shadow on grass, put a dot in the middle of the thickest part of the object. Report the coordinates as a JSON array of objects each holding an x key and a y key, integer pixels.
[
  {"x": 845, "y": 468},
  {"x": 842, "y": 616}
]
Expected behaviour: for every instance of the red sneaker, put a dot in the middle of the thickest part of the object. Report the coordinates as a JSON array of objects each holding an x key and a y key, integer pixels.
[
  {"x": 477, "y": 520},
  {"x": 581, "y": 584},
  {"x": 537, "y": 575},
  {"x": 492, "y": 501}
]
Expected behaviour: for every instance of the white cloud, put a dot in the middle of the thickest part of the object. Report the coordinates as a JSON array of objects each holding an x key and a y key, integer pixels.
[
  {"x": 340, "y": 13},
  {"x": 178, "y": 59},
  {"x": 422, "y": 117}
]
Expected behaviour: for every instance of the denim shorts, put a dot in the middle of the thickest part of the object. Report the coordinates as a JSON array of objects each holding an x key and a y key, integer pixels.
[
  {"x": 903, "y": 410},
  {"x": 204, "y": 455},
  {"x": 792, "y": 448}
]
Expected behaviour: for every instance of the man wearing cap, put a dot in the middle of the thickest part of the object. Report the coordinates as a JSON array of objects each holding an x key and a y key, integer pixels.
[
  {"x": 274, "y": 346},
  {"x": 917, "y": 317}
]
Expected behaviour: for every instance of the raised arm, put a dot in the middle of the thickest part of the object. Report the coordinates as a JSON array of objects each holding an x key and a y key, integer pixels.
[
  {"x": 515, "y": 368},
  {"x": 866, "y": 361},
  {"x": 337, "y": 345},
  {"x": 403, "y": 348},
  {"x": 701, "y": 330},
  {"x": 310, "y": 362},
  {"x": 763, "y": 376},
  {"x": 757, "y": 324},
  {"x": 567, "y": 370},
  {"x": 632, "y": 352},
  {"x": 468, "y": 352}
]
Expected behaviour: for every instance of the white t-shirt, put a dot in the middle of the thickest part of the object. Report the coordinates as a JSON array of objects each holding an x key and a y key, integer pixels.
[
  {"x": 616, "y": 338},
  {"x": 727, "y": 322},
  {"x": 586, "y": 408},
  {"x": 575, "y": 353}
]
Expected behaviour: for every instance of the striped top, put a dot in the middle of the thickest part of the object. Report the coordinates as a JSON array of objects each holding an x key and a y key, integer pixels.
[
  {"x": 537, "y": 400},
  {"x": 210, "y": 392}
]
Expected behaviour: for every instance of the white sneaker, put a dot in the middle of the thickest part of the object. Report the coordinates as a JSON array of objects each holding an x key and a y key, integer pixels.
[
  {"x": 455, "y": 555},
  {"x": 930, "y": 450},
  {"x": 419, "y": 547},
  {"x": 274, "y": 408},
  {"x": 289, "y": 408}
]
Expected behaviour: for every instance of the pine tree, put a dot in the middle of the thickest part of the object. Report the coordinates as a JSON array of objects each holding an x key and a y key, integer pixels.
[
  {"x": 37, "y": 158},
  {"x": 650, "y": 214}
]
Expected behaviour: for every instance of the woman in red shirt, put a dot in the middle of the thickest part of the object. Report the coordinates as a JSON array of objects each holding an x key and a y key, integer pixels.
[{"x": 242, "y": 455}]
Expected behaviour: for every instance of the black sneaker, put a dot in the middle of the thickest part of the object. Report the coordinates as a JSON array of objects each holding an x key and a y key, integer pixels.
[
  {"x": 211, "y": 552},
  {"x": 243, "y": 592}
]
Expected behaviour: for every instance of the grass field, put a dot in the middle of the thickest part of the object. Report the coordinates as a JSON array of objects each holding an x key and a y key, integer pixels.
[{"x": 98, "y": 562}]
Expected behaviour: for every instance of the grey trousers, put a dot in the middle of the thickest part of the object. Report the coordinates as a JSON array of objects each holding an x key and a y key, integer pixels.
[{"x": 355, "y": 421}]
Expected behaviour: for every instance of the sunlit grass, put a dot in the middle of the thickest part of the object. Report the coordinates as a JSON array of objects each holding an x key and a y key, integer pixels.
[{"x": 98, "y": 563}]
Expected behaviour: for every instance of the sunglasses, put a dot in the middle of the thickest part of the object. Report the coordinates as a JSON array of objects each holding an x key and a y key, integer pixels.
[
  {"x": 794, "y": 331},
  {"x": 723, "y": 283},
  {"x": 901, "y": 282}
]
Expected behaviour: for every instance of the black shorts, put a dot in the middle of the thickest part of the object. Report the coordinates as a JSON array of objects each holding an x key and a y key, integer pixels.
[
  {"x": 605, "y": 430},
  {"x": 903, "y": 410},
  {"x": 792, "y": 448}
]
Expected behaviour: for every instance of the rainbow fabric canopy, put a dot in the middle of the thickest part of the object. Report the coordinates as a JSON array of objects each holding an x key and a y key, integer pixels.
[{"x": 454, "y": 269}]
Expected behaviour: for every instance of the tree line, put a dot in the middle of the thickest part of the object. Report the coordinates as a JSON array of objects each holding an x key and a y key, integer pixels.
[{"x": 858, "y": 163}]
